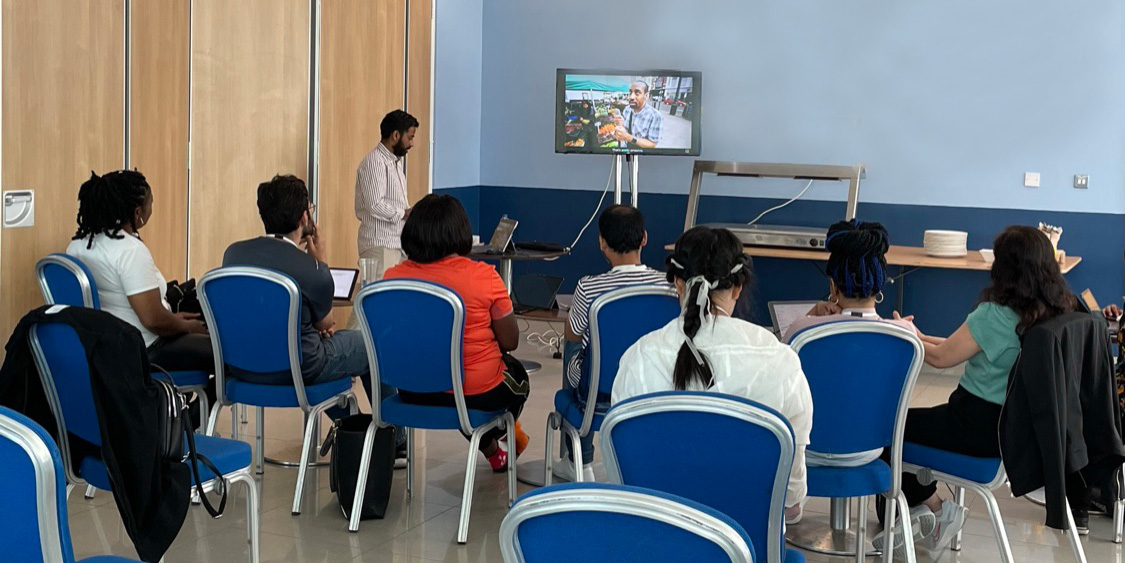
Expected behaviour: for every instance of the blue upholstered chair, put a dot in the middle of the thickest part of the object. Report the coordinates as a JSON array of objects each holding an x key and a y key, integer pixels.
[
  {"x": 729, "y": 453},
  {"x": 861, "y": 375},
  {"x": 253, "y": 315},
  {"x": 65, "y": 280},
  {"x": 64, "y": 372},
  {"x": 414, "y": 331},
  {"x": 563, "y": 523},
  {"x": 33, "y": 524},
  {"x": 617, "y": 320}
]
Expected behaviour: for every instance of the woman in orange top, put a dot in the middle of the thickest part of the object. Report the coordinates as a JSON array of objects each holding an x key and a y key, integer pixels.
[{"x": 436, "y": 239}]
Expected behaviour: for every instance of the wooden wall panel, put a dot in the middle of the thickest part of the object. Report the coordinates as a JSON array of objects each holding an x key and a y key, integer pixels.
[
  {"x": 63, "y": 116},
  {"x": 418, "y": 96},
  {"x": 158, "y": 123},
  {"x": 362, "y": 72},
  {"x": 250, "y": 103}
]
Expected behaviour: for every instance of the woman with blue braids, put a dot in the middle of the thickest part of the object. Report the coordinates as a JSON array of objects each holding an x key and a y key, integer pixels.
[{"x": 856, "y": 273}]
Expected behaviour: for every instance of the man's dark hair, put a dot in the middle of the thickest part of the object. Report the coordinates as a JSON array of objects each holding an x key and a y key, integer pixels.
[
  {"x": 109, "y": 202},
  {"x": 397, "y": 120},
  {"x": 281, "y": 203},
  {"x": 437, "y": 227},
  {"x": 622, "y": 227},
  {"x": 642, "y": 83}
]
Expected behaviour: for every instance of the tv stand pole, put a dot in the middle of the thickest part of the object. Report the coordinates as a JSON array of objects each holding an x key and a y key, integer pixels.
[{"x": 619, "y": 162}]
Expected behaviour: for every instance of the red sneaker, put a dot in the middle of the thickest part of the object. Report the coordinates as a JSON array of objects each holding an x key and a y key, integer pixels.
[{"x": 499, "y": 460}]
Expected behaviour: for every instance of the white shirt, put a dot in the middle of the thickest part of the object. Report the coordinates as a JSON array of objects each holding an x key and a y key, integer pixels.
[
  {"x": 746, "y": 360},
  {"x": 121, "y": 267},
  {"x": 380, "y": 199}
]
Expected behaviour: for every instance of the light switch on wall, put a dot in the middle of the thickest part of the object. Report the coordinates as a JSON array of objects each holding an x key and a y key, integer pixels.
[{"x": 1031, "y": 179}]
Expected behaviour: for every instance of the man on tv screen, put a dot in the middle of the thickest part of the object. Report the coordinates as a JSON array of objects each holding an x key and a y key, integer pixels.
[{"x": 639, "y": 125}]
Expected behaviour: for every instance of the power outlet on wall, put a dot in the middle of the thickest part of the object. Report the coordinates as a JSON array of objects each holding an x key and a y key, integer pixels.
[
  {"x": 1031, "y": 179},
  {"x": 1081, "y": 181}
]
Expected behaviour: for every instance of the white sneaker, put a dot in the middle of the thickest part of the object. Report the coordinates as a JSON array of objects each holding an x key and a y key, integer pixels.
[
  {"x": 949, "y": 521},
  {"x": 563, "y": 469},
  {"x": 922, "y": 523}
]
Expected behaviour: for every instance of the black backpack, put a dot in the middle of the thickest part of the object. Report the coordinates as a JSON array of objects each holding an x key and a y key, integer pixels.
[{"x": 173, "y": 424}]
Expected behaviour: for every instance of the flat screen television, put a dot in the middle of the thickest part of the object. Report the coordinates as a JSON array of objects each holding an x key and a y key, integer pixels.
[{"x": 652, "y": 112}]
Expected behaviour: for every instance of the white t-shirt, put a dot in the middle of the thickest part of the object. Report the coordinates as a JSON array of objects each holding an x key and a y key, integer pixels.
[
  {"x": 121, "y": 267},
  {"x": 746, "y": 360}
]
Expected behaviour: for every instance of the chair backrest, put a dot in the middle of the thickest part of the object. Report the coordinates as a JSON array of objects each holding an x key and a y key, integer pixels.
[
  {"x": 414, "y": 331},
  {"x": 33, "y": 521},
  {"x": 618, "y": 523},
  {"x": 861, "y": 375},
  {"x": 254, "y": 317},
  {"x": 65, "y": 280},
  {"x": 618, "y": 319},
  {"x": 726, "y": 452}
]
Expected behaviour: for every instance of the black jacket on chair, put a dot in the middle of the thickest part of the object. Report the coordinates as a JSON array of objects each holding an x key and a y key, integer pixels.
[
  {"x": 152, "y": 494},
  {"x": 1061, "y": 413}
]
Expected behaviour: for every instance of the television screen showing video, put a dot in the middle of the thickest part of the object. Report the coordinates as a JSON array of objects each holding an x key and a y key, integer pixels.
[{"x": 622, "y": 112}]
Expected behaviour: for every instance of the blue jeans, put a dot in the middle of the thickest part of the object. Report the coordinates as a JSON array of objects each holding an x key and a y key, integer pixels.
[
  {"x": 570, "y": 349},
  {"x": 346, "y": 356}
]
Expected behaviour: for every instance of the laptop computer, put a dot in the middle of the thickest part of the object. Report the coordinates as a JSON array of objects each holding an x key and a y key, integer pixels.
[
  {"x": 343, "y": 282},
  {"x": 501, "y": 238},
  {"x": 783, "y": 313},
  {"x": 535, "y": 291}
]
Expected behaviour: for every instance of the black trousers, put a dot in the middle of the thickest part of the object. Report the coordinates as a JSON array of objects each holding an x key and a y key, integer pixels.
[
  {"x": 510, "y": 395},
  {"x": 966, "y": 425},
  {"x": 185, "y": 352}
]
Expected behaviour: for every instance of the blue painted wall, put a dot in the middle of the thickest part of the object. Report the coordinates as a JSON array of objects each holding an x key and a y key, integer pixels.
[{"x": 939, "y": 298}]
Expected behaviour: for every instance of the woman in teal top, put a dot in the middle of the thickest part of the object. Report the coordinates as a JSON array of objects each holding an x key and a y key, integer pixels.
[{"x": 1027, "y": 287}]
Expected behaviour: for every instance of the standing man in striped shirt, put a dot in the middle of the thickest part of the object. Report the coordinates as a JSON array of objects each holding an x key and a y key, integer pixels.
[
  {"x": 621, "y": 236},
  {"x": 380, "y": 192}
]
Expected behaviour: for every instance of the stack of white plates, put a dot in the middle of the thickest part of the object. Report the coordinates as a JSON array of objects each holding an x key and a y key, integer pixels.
[{"x": 946, "y": 244}]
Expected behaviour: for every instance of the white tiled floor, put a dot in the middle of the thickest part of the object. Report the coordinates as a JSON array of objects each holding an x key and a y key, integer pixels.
[{"x": 424, "y": 528}]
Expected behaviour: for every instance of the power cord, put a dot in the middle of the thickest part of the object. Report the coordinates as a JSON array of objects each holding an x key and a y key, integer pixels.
[
  {"x": 772, "y": 209},
  {"x": 596, "y": 209}
]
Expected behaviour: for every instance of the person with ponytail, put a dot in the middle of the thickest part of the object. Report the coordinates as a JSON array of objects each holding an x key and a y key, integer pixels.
[
  {"x": 856, "y": 271},
  {"x": 112, "y": 209},
  {"x": 706, "y": 349}
]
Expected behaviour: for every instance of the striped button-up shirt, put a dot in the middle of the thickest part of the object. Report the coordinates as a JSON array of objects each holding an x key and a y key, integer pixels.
[
  {"x": 644, "y": 124},
  {"x": 380, "y": 199}
]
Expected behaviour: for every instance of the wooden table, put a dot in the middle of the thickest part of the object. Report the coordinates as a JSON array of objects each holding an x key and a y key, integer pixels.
[{"x": 908, "y": 259}]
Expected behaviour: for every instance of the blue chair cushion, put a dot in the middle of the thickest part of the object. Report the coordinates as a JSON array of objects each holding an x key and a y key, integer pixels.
[
  {"x": 794, "y": 556},
  {"x": 395, "y": 411},
  {"x": 188, "y": 378},
  {"x": 572, "y": 410},
  {"x": 979, "y": 469},
  {"x": 261, "y": 395},
  {"x": 227, "y": 455},
  {"x": 869, "y": 479}
]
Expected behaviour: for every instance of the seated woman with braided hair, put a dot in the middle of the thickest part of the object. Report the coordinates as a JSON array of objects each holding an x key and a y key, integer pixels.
[
  {"x": 856, "y": 272},
  {"x": 706, "y": 349},
  {"x": 112, "y": 209}
]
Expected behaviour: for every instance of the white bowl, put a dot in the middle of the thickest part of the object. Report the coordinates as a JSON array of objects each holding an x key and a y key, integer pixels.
[{"x": 987, "y": 255}]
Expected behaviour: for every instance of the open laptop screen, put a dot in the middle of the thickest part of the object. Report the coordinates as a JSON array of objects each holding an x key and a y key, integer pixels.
[{"x": 343, "y": 280}]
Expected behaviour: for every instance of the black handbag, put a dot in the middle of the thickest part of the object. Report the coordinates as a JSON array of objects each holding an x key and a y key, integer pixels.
[
  {"x": 183, "y": 298},
  {"x": 345, "y": 440},
  {"x": 172, "y": 429}
]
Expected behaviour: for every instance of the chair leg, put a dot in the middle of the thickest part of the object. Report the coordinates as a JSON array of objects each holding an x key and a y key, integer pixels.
[
  {"x": 959, "y": 498},
  {"x": 242, "y": 411},
  {"x": 997, "y": 524},
  {"x": 306, "y": 447},
  {"x": 235, "y": 431},
  {"x": 1075, "y": 539},
  {"x": 467, "y": 495},
  {"x": 204, "y": 404},
  {"x": 1118, "y": 520},
  {"x": 69, "y": 487},
  {"x": 889, "y": 530},
  {"x": 861, "y": 531},
  {"x": 253, "y": 513},
  {"x": 576, "y": 447},
  {"x": 90, "y": 490},
  {"x": 409, "y": 463},
  {"x": 213, "y": 418},
  {"x": 361, "y": 478},
  {"x": 548, "y": 445},
  {"x": 260, "y": 440},
  {"x": 907, "y": 530},
  {"x": 511, "y": 424}
]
